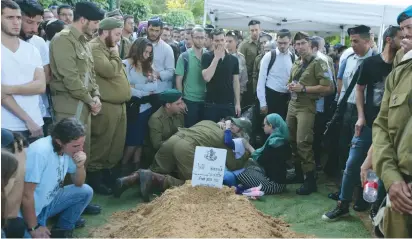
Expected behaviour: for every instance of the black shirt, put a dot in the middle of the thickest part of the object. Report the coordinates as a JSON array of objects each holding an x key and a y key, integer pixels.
[
  {"x": 372, "y": 74},
  {"x": 220, "y": 87},
  {"x": 273, "y": 161}
]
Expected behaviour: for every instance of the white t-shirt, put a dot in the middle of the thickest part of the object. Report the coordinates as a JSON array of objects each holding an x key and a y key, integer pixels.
[
  {"x": 43, "y": 48},
  {"x": 18, "y": 68}
]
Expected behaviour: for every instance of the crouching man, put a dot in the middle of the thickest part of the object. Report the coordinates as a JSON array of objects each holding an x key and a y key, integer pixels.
[{"x": 48, "y": 161}]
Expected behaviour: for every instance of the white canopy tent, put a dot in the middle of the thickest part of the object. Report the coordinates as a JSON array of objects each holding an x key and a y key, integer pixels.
[{"x": 323, "y": 16}]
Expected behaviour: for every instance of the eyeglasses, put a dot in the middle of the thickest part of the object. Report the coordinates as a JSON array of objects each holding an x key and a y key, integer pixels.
[{"x": 199, "y": 38}]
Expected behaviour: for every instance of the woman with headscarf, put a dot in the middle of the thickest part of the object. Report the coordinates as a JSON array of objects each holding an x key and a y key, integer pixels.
[{"x": 268, "y": 167}]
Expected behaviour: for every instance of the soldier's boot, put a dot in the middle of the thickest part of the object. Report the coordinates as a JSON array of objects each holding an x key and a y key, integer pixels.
[
  {"x": 360, "y": 203},
  {"x": 309, "y": 185},
  {"x": 122, "y": 184},
  {"x": 146, "y": 180},
  {"x": 95, "y": 180}
]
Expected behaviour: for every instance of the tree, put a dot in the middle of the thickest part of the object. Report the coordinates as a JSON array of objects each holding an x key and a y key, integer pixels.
[
  {"x": 45, "y": 3},
  {"x": 138, "y": 8},
  {"x": 176, "y": 4},
  {"x": 178, "y": 17}
]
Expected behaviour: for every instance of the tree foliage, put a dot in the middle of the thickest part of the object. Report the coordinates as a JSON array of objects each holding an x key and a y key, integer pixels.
[
  {"x": 176, "y": 4},
  {"x": 46, "y": 3},
  {"x": 138, "y": 8},
  {"x": 178, "y": 17}
]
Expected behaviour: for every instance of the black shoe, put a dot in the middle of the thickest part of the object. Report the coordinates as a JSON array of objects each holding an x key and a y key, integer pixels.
[
  {"x": 60, "y": 233},
  {"x": 80, "y": 223},
  {"x": 92, "y": 209},
  {"x": 341, "y": 210},
  {"x": 334, "y": 196},
  {"x": 309, "y": 185},
  {"x": 360, "y": 203},
  {"x": 95, "y": 180}
]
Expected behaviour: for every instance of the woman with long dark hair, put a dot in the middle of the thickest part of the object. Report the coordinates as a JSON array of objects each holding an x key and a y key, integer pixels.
[{"x": 143, "y": 83}]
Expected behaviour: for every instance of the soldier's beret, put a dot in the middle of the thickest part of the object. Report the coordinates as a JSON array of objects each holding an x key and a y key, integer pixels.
[
  {"x": 362, "y": 29},
  {"x": 89, "y": 10},
  {"x": 110, "y": 23},
  {"x": 170, "y": 96},
  {"x": 406, "y": 14},
  {"x": 114, "y": 13},
  {"x": 301, "y": 36}
]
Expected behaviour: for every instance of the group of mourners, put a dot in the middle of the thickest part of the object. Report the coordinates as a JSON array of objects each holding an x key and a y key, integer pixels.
[{"x": 113, "y": 105}]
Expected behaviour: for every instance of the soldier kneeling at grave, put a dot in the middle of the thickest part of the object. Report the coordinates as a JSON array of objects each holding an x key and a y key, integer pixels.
[{"x": 177, "y": 154}]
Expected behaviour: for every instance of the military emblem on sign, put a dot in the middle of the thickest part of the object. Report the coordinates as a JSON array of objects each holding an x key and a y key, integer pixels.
[{"x": 210, "y": 155}]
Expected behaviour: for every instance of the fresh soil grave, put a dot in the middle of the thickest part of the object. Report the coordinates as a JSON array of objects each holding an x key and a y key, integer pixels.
[{"x": 199, "y": 212}]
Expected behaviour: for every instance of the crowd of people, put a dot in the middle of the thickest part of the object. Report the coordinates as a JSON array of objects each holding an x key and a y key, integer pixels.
[{"x": 85, "y": 95}]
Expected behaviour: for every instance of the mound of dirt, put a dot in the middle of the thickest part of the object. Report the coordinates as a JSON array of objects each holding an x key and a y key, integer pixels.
[{"x": 188, "y": 211}]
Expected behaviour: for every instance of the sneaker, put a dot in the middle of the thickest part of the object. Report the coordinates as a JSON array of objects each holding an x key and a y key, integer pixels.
[
  {"x": 341, "y": 210},
  {"x": 334, "y": 196},
  {"x": 372, "y": 213}
]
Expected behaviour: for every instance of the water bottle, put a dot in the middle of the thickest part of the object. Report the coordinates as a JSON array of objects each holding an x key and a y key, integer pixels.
[{"x": 370, "y": 189}]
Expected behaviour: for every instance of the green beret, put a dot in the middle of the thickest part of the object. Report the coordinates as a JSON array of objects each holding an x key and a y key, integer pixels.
[
  {"x": 89, "y": 10},
  {"x": 114, "y": 13},
  {"x": 170, "y": 96},
  {"x": 110, "y": 23},
  {"x": 301, "y": 36}
]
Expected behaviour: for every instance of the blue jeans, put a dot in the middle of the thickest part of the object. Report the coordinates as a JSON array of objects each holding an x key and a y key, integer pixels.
[
  {"x": 229, "y": 177},
  {"x": 216, "y": 112},
  {"x": 357, "y": 154},
  {"x": 70, "y": 203},
  {"x": 194, "y": 112}
]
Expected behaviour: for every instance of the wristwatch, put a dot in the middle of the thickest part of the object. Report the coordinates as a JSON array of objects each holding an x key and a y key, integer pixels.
[
  {"x": 34, "y": 228},
  {"x": 303, "y": 89}
]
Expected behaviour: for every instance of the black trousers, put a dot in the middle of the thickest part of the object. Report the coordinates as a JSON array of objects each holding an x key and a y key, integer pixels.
[
  {"x": 319, "y": 129},
  {"x": 277, "y": 102}
]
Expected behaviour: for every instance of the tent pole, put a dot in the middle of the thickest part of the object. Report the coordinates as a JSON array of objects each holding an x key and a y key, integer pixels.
[
  {"x": 342, "y": 36},
  {"x": 380, "y": 39},
  {"x": 204, "y": 14}
]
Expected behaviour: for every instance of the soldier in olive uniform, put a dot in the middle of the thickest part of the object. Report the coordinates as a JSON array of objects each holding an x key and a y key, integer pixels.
[
  {"x": 124, "y": 43},
  {"x": 250, "y": 49},
  {"x": 73, "y": 88},
  {"x": 162, "y": 125},
  {"x": 108, "y": 130},
  {"x": 177, "y": 153},
  {"x": 308, "y": 80},
  {"x": 392, "y": 137}
]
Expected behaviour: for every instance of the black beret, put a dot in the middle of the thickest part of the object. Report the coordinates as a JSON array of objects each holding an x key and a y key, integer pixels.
[
  {"x": 358, "y": 30},
  {"x": 301, "y": 36},
  {"x": 89, "y": 10},
  {"x": 253, "y": 22}
]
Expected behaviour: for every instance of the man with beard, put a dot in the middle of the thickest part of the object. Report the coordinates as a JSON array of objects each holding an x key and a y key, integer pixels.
[
  {"x": 392, "y": 136},
  {"x": 74, "y": 90},
  {"x": 250, "y": 49},
  {"x": 22, "y": 79},
  {"x": 369, "y": 93},
  {"x": 124, "y": 43},
  {"x": 163, "y": 57},
  {"x": 32, "y": 13},
  {"x": 108, "y": 129}
]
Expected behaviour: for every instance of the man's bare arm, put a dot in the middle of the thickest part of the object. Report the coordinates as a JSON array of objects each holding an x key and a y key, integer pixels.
[{"x": 35, "y": 87}]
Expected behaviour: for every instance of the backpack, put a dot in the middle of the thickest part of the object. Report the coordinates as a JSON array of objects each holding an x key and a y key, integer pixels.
[{"x": 273, "y": 59}]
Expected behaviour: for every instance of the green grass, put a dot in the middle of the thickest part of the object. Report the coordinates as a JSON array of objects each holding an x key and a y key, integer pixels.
[{"x": 302, "y": 212}]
